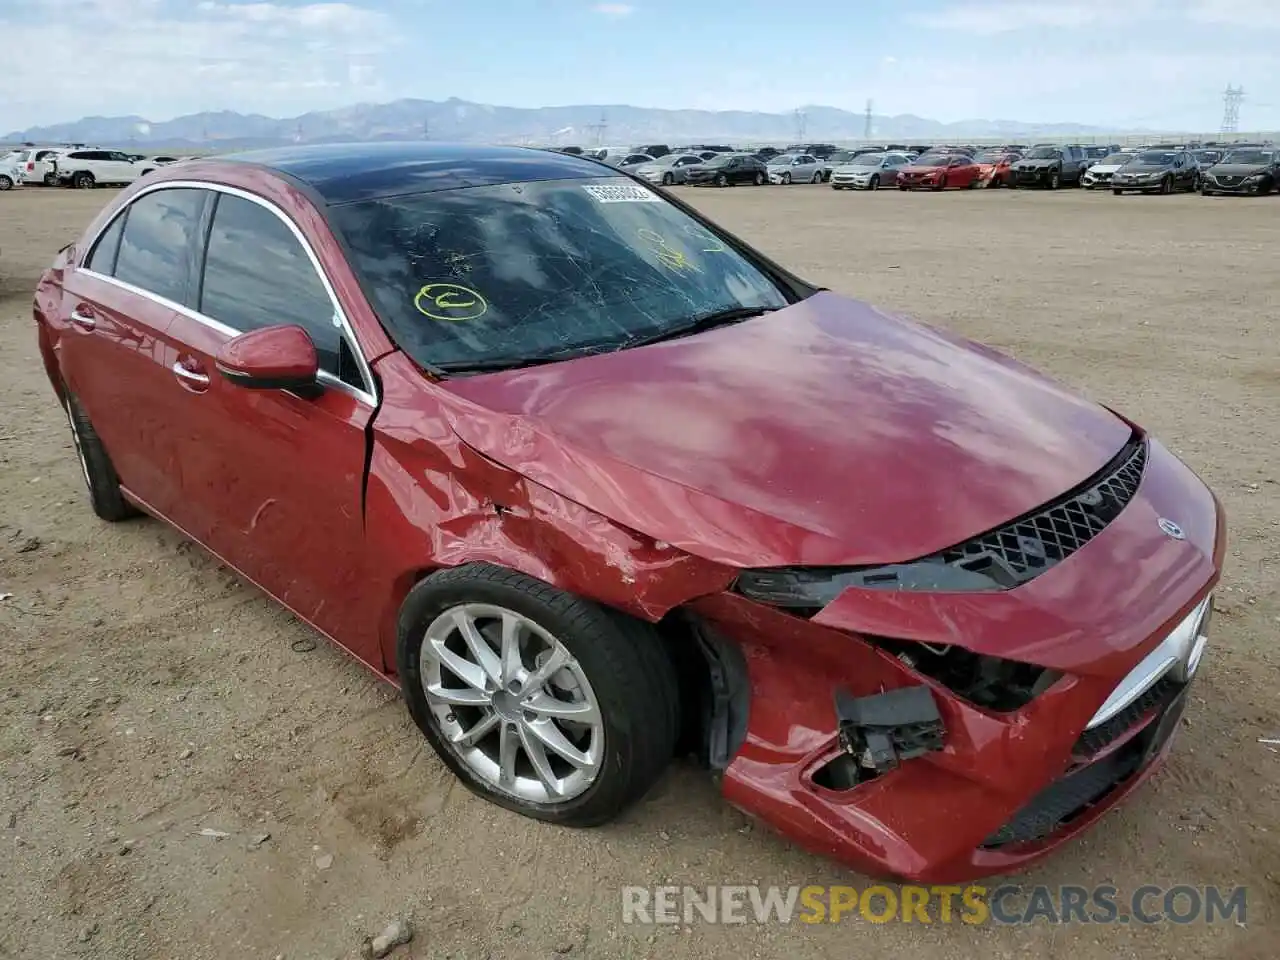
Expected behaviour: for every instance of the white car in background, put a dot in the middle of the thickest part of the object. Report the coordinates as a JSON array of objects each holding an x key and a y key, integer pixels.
[
  {"x": 11, "y": 171},
  {"x": 1100, "y": 174},
  {"x": 92, "y": 168},
  {"x": 37, "y": 165}
]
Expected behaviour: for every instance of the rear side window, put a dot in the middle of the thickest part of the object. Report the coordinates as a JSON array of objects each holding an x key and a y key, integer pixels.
[
  {"x": 102, "y": 259},
  {"x": 257, "y": 274},
  {"x": 159, "y": 240}
]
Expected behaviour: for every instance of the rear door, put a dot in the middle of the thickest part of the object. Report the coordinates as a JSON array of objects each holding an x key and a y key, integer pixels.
[
  {"x": 117, "y": 307},
  {"x": 273, "y": 482}
]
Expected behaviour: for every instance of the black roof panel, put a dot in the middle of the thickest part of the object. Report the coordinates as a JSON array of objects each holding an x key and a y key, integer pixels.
[{"x": 345, "y": 172}]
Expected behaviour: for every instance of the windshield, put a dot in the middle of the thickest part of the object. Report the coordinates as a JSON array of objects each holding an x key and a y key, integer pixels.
[
  {"x": 501, "y": 273},
  {"x": 868, "y": 160},
  {"x": 841, "y": 156},
  {"x": 1157, "y": 158},
  {"x": 720, "y": 159},
  {"x": 782, "y": 158},
  {"x": 992, "y": 156},
  {"x": 932, "y": 160},
  {"x": 1043, "y": 153},
  {"x": 1256, "y": 157},
  {"x": 669, "y": 159},
  {"x": 1116, "y": 159}
]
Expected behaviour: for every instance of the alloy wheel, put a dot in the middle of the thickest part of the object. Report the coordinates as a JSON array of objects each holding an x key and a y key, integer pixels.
[{"x": 512, "y": 703}]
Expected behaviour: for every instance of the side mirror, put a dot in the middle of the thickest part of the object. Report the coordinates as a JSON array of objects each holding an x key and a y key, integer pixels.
[{"x": 272, "y": 358}]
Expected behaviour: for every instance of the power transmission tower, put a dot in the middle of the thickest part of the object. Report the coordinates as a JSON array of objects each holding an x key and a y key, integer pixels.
[
  {"x": 1231, "y": 99},
  {"x": 866, "y": 127},
  {"x": 426, "y": 129},
  {"x": 599, "y": 128},
  {"x": 801, "y": 118}
]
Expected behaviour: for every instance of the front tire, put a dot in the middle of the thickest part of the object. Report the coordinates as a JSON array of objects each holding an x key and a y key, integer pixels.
[
  {"x": 539, "y": 701},
  {"x": 1166, "y": 185},
  {"x": 1055, "y": 180},
  {"x": 668, "y": 179},
  {"x": 99, "y": 473},
  {"x": 83, "y": 181},
  {"x": 721, "y": 180},
  {"x": 875, "y": 182},
  {"x": 786, "y": 179},
  {"x": 818, "y": 177}
]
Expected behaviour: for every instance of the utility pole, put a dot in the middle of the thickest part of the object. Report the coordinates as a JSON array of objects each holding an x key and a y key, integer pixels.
[
  {"x": 426, "y": 129},
  {"x": 1231, "y": 99},
  {"x": 866, "y": 127},
  {"x": 599, "y": 128},
  {"x": 800, "y": 124}
]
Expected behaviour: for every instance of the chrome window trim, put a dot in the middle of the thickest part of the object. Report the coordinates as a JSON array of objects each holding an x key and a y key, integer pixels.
[
  {"x": 1184, "y": 643},
  {"x": 368, "y": 393}
]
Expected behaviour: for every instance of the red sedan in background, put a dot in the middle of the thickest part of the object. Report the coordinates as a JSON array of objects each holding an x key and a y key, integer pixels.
[
  {"x": 939, "y": 171},
  {"x": 593, "y": 481},
  {"x": 994, "y": 167}
]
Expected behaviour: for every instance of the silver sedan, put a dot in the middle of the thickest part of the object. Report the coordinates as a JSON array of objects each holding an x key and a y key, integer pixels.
[
  {"x": 795, "y": 168},
  {"x": 673, "y": 168}
]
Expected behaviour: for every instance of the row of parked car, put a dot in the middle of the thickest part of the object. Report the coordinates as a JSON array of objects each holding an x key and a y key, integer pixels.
[
  {"x": 1153, "y": 168},
  {"x": 75, "y": 166}
]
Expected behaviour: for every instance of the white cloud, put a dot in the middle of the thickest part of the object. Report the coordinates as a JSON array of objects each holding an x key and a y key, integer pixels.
[
  {"x": 142, "y": 56},
  {"x": 1234, "y": 13},
  {"x": 614, "y": 9}
]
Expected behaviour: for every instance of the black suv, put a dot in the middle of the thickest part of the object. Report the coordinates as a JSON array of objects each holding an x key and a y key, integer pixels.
[{"x": 1048, "y": 165}]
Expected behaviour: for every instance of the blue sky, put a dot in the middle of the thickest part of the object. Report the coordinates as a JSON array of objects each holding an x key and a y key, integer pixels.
[{"x": 1148, "y": 63}]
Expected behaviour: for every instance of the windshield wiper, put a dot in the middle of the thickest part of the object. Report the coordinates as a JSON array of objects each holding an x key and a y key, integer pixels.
[
  {"x": 700, "y": 324},
  {"x": 708, "y": 321}
]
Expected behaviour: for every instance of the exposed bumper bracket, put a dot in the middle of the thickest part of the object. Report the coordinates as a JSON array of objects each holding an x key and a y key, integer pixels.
[{"x": 881, "y": 731}]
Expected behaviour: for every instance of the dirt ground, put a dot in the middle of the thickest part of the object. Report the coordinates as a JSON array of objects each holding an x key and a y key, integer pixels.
[{"x": 146, "y": 694}]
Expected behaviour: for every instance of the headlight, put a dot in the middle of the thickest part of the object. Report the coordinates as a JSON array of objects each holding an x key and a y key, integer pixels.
[
  {"x": 1254, "y": 178},
  {"x": 991, "y": 682}
]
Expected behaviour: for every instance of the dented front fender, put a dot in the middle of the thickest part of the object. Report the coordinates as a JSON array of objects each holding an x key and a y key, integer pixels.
[{"x": 432, "y": 502}]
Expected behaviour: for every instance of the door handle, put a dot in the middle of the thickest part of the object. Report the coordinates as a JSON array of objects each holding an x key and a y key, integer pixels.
[
  {"x": 194, "y": 378},
  {"x": 83, "y": 317}
]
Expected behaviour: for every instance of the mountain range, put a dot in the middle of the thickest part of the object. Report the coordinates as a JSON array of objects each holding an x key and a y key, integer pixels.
[{"x": 461, "y": 120}]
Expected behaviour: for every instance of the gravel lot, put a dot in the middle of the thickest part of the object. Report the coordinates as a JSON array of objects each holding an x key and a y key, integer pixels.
[{"x": 146, "y": 694}]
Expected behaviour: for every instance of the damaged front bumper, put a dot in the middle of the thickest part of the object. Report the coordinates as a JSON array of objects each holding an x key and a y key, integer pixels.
[{"x": 853, "y": 753}]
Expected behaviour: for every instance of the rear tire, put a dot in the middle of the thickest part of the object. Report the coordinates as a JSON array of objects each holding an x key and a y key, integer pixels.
[
  {"x": 5, "y": 183},
  {"x": 721, "y": 180},
  {"x": 629, "y": 679},
  {"x": 83, "y": 181},
  {"x": 1117, "y": 192},
  {"x": 99, "y": 474},
  {"x": 759, "y": 179}
]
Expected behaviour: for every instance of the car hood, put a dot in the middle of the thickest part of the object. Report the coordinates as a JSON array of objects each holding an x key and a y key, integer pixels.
[
  {"x": 1146, "y": 167},
  {"x": 825, "y": 433},
  {"x": 1238, "y": 169},
  {"x": 922, "y": 168},
  {"x": 1046, "y": 162},
  {"x": 856, "y": 168},
  {"x": 1108, "y": 167}
]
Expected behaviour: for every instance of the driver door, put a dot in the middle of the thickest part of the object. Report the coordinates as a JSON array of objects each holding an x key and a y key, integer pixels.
[{"x": 272, "y": 481}]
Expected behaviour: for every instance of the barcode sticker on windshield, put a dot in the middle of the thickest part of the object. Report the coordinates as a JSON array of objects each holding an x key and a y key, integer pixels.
[{"x": 622, "y": 193}]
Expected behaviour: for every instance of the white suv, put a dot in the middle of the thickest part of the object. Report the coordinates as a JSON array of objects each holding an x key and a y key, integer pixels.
[
  {"x": 37, "y": 164},
  {"x": 92, "y": 168}
]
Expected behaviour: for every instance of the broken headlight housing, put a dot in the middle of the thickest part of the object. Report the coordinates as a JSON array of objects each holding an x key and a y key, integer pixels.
[{"x": 993, "y": 683}]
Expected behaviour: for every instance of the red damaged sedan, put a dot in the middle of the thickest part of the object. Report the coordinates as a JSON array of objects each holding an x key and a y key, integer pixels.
[
  {"x": 994, "y": 167},
  {"x": 939, "y": 171},
  {"x": 596, "y": 484}
]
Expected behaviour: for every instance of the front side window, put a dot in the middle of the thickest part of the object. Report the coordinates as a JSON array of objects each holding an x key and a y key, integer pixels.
[
  {"x": 102, "y": 258},
  {"x": 159, "y": 240},
  {"x": 520, "y": 272},
  {"x": 257, "y": 274}
]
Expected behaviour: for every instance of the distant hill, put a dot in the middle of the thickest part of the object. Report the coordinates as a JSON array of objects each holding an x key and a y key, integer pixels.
[{"x": 461, "y": 120}]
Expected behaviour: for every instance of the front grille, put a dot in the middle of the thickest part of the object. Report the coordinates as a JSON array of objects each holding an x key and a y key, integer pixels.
[
  {"x": 1158, "y": 696},
  {"x": 1032, "y": 544},
  {"x": 1103, "y": 176},
  {"x": 1228, "y": 181}
]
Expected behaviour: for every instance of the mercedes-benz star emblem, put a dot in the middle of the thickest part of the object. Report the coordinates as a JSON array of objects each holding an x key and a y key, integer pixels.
[{"x": 1171, "y": 529}]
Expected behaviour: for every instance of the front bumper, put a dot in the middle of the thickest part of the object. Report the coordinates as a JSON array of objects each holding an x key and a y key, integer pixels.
[
  {"x": 1031, "y": 178},
  {"x": 1234, "y": 185},
  {"x": 1014, "y": 786}
]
